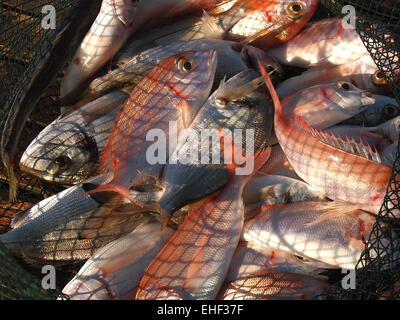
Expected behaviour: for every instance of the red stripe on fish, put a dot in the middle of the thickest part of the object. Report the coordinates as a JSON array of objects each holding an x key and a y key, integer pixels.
[
  {"x": 272, "y": 258},
  {"x": 176, "y": 92},
  {"x": 340, "y": 30}
]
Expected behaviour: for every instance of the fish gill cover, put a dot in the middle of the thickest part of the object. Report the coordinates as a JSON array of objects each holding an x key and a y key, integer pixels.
[{"x": 23, "y": 41}]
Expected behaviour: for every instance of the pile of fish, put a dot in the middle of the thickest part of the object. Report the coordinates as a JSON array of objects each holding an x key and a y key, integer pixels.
[{"x": 197, "y": 168}]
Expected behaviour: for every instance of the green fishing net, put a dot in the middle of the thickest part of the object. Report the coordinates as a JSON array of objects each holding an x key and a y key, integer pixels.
[{"x": 22, "y": 39}]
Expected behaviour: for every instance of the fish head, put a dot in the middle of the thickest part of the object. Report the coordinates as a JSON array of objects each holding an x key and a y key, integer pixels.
[
  {"x": 344, "y": 94},
  {"x": 268, "y": 23},
  {"x": 189, "y": 75},
  {"x": 292, "y": 16},
  {"x": 304, "y": 265},
  {"x": 89, "y": 287},
  {"x": 386, "y": 108},
  {"x": 63, "y": 152}
]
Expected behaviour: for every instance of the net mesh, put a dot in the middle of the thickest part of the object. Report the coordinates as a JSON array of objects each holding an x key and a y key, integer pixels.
[
  {"x": 378, "y": 24},
  {"x": 21, "y": 39}
]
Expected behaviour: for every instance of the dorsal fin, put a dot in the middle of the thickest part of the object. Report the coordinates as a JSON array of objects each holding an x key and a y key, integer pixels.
[
  {"x": 210, "y": 28},
  {"x": 349, "y": 145}
]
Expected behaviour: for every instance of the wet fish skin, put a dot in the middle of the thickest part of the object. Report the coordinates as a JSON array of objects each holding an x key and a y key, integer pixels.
[
  {"x": 68, "y": 151},
  {"x": 204, "y": 244},
  {"x": 323, "y": 106},
  {"x": 321, "y": 44},
  {"x": 114, "y": 271},
  {"x": 271, "y": 24},
  {"x": 338, "y": 173},
  {"x": 186, "y": 180},
  {"x": 360, "y": 72},
  {"x": 54, "y": 230},
  {"x": 275, "y": 189},
  {"x": 249, "y": 259},
  {"x": 266, "y": 285},
  {"x": 116, "y": 17},
  {"x": 330, "y": 232},
  {"x": 60, "y": 46},
  {"x": 154, "y": 103}
]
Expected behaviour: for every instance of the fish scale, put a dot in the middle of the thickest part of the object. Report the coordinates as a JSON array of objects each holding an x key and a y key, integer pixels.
[
  {"x": 330, "y": 232},
  {"x": 321, "y": 44},
  {"x": 194, "y": 262},
  {"x": 188, "y": 181}
]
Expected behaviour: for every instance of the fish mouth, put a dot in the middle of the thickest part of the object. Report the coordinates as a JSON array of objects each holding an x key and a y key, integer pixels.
[
  {"x": 42, "y": 174},
  {"x": 29, "y": 170}
]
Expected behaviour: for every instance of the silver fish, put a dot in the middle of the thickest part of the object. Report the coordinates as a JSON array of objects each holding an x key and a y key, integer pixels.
[
  {"x": 326, "y": 105},
  {"x": 386, "y": 108},
  {"x": 249, "y": 258},
  {"x": 64, "y": 228},
  {"x": 363, "y": 73},
  {"x": 330, "y": 232},
  {"x": 114, "y": 271},
  {"x": 68, "y": 151},
  {"x": 198, "y": 169}
]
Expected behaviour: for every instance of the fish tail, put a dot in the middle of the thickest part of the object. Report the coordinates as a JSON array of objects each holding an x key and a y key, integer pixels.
[
  {"x": 124, "y": 192},
  {"x": 271, "y": 89}
]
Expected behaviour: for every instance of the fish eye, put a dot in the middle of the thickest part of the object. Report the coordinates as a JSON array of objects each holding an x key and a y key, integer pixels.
[
  {"x": 296, "y": 10},
  {"x": 378, "y": 78},
  {"x": 390, "y": 111},
  {"x": 113, "y": 67},
  {"x": 62, "y": 161},
  {"x": 184, "y": 64},
  {"x": 300, "y": 258},
  {"x": 344, "y": 85}
]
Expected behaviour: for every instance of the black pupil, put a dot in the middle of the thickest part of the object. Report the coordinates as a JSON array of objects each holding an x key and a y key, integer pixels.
[
  {"x": 60, "y": 161},
  {"x": 345, "y": 86},
  {"x": 379, "y": 75},
  {"x": 187, "y": 65},
  {"x": 300, "y": 258},
  {"x": 390, "y": 111},
  {"x": 113, "y": 67},
  {"x": 296, "y": 8}
]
